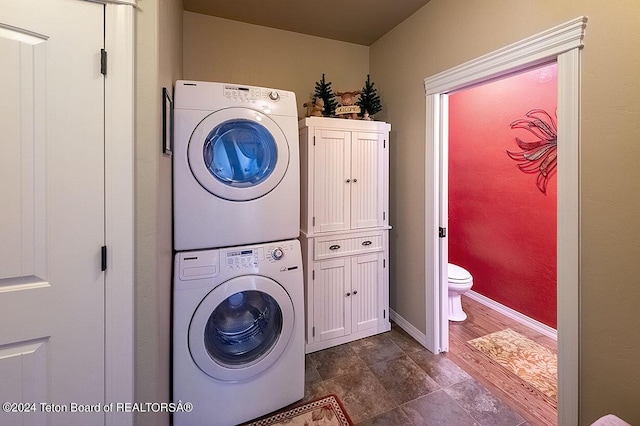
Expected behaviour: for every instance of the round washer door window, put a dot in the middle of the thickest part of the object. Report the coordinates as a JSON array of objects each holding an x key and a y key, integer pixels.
[
  {"x": 241, "y": 328},
  {"x": 238, "y": 154}
]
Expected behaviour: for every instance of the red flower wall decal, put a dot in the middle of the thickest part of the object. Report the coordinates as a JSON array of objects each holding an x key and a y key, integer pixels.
[{"x": 539, "y": 156}]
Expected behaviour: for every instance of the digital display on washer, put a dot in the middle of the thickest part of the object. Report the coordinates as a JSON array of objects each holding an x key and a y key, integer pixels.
[{"x": 248, "y": 252}]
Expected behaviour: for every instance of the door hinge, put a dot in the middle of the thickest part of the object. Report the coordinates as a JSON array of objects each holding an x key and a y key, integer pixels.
[
  {"x": 384, "y": 313},
  {"x": 313, "y": 332},
  {"x": 313, "y": 275},
  {"x": 313, "y": 221},
  {"x": 384, "y": 215},
  {"x": 103, "y": 62},
  {"x": 103, "y": 258},
  {"x": 384, "y": 263},
  {"x": 314, "y": 140},
  {"x": 384, "y": 144},
  {"x": 442, "y": 232}
]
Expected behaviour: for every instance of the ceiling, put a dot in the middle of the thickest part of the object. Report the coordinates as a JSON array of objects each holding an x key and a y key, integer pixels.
[{"x": 355, "y": 21}]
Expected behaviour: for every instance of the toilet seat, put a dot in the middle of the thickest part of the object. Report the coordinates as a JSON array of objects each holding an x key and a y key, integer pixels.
[{"x": 458, "y": 275}]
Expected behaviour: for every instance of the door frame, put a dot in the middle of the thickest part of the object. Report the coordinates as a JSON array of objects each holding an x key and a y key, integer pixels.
[
  {"x": 562, "y": 44},
  {"x": 119, "y": 199}
]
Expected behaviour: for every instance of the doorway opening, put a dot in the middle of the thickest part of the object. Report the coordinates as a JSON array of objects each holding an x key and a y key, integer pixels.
[
  {"x": 561, "y": 44},
  {"x": 502, "y": 190}
]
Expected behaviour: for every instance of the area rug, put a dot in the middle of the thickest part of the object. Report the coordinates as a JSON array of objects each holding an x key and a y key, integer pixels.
[
  {"x": 529, "y": 360},
  {"x": 327, "y": 411}
]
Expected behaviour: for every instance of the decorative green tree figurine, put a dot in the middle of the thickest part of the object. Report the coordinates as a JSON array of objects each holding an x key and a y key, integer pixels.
[
  {"x": 324, "y": 92},
  {"x": 369, "y": 101}
]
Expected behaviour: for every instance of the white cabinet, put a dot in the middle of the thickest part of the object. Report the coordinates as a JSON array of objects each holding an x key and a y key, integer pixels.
[
  {"x": 344, "y": 171},
  {"x": 345, "y": 176}
]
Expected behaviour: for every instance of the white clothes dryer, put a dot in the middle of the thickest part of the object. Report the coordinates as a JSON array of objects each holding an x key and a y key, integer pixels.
[
  {"x": 238, "y": 332},
  {"x": 236, "y": 175}
]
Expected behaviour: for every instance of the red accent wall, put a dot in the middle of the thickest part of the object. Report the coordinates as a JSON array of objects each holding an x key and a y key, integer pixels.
[{"x": 502, "y": 228}]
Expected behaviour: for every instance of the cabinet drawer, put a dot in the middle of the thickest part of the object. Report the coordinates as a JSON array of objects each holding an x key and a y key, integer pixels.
[{"x": 328, "y": 247}]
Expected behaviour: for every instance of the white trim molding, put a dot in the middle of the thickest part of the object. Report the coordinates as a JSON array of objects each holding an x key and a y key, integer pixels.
[
  {"x": 119, "y": 206},
  {"x": 526, "y": 53},
  {"x": 561, "y": 44},
  {"x": 408, "y": 327},
  {"x": 528, "y": 322}
]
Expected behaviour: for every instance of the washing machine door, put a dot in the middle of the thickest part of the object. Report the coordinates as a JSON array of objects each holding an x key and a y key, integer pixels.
[
  {"x": 238, "y": 154},
  {"x": 241, "y": 328}
]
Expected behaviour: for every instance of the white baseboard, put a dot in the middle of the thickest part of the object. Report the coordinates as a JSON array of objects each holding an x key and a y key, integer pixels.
[
  {"x": 408, "y": 327},
  {"x": 514, "y": 315}
]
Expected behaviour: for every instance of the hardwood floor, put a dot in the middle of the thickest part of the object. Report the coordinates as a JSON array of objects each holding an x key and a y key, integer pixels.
[{"x": 536, "y": 407}]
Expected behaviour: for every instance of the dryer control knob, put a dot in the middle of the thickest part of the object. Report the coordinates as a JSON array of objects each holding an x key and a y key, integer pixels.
[
  {"x": 277, "y": 253},
  {"x": 274, "y": 96}
]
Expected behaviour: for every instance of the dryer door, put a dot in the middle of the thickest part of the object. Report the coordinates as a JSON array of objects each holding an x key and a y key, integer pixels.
[
  {"x": 241, "y": 328},
  {"x": 238, "y": 154}
]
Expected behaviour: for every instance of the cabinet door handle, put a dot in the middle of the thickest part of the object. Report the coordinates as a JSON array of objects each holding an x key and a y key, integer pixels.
[
  {"x": 334, "y": 247},
  {"x": 348, "y": 294},
  {"x": 355, "y": 180},
  {"x": 355, "y": 292},
  {"x": 348, "y": 180},
  {"x": 366, "y": 243}
]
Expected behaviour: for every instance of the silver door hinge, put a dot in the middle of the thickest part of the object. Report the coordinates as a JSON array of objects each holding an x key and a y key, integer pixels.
[
  {"x": 442, "y": 232},
  {"x": 103, "y": 62},
  {"x": 103, "y": 258}
]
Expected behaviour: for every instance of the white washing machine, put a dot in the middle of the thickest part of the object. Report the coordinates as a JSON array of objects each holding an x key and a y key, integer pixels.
[
  {"x": 238, "y": 332},
  {"x": 236, "y": 177}
]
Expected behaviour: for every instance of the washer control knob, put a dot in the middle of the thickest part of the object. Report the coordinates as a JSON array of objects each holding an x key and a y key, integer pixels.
[
  {"x": 277, "y": 253},
  {"x": 274, "y": 96}
]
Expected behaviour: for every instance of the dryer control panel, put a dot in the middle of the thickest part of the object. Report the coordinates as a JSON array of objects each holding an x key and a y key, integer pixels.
[{"x": 252, "y": 94}]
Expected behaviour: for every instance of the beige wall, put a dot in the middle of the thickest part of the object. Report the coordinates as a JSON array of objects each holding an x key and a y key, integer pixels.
[
  {"x": 445, "y": 33},
  {"x": 158, "y": 64},
  {"x": 217, "y": 49}
]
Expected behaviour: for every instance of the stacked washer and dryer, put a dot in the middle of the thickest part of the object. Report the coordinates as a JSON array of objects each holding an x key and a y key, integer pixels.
[{"x": 238, "y": 297}]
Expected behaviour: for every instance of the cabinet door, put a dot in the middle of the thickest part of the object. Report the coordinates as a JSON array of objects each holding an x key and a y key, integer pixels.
[
  {"x": 331, "y": 304},
  {"x": 367, "y": 180},
  {"x": 367, "y": 297},
  {"x": 331, "y": 180}
]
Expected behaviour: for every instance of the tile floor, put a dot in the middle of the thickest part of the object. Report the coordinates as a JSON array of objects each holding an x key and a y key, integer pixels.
[{"x": 390, "y": 379}]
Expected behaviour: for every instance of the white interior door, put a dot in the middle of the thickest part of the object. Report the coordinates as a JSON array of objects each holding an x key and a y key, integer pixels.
[{"x": 52, "y": 210}]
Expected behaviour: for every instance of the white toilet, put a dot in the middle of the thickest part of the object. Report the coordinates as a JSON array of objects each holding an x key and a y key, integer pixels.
[{"x": 460, "y": 281}]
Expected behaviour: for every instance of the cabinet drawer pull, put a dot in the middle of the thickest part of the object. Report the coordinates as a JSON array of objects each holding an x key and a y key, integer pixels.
[
  {"x": 366, "y": 243},
  {"x": 334, "y": 247}
]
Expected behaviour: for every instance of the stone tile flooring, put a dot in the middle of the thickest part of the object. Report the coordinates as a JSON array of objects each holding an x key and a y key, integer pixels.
[{"x": 390, "y": 379}]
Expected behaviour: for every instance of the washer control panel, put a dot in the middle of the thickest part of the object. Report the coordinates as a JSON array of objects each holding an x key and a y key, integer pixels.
[
  {"x": 195, "y": 269},
  {"x": 243, "y": 260},
  {"x": 279, "y": 251}
]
